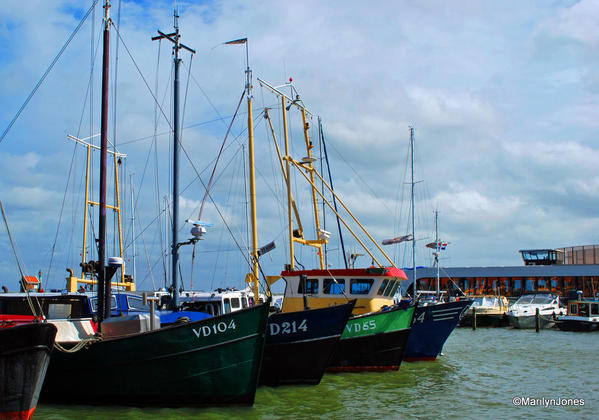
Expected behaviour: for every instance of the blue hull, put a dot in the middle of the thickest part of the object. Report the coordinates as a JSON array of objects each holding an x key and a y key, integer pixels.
[{"x": 431, "y": 327}]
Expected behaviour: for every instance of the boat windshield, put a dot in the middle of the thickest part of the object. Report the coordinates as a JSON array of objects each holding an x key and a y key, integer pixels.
[
  {"x": 484, "y": 301},
  {"x": 524, "y": 300},
  {"x": 543, "y": 299}
]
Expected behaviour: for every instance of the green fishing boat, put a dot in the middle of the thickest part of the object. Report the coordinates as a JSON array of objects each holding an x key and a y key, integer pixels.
[
  {"x": 212, "y": 361},
  {"x": 374, "y": 341},
  {"x": 131, "y": 360}
]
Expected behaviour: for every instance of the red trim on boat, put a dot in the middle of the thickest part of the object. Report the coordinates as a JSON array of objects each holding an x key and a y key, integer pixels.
[
  {"x": 18, "y": 415},
  {"x": 348, "y": 272},
  {"x": 7, "y": 321}
]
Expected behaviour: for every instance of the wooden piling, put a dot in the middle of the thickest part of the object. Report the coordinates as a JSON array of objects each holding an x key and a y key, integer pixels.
[
  {"x": 537, "y": 320},
  {"x": 473, "y": 318}
]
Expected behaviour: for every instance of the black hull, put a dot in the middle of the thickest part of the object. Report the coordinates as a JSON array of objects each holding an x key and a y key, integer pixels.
[
  {"x": 578, "y": 326},
  {"x": 296, "y": 363},
  {"x": 301, "y": 357},
  {"x": 24, "y": 357},
  {"x": 484, "y": 320},
  {"x": 383, "y": 351}
]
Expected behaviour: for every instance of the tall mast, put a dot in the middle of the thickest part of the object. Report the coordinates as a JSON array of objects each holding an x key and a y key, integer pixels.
[
  {"x": 251, "y": 164},
  {"x": 288, "y": 181},
  {"x": 412, "y": 205},
  {"x": 104, "y": 285},
  {"x": 174, "y": 37}
]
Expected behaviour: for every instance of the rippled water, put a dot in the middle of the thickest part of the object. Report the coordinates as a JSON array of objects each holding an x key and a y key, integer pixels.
[{"x": 478, "y": 376}]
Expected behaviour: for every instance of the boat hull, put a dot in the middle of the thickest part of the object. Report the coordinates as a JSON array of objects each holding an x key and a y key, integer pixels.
[
  {"x": 24, "y": 356},
  {"x": 526, "y": 322},
  {"x": 299, "y": 345},
  {"x": 577, "y": 325},
  {"x": 485, "y": 320},
  {"x": 373, "y": 342},
  {"x": 431, "y": 327},
  {"x": 208, "y": 362}
]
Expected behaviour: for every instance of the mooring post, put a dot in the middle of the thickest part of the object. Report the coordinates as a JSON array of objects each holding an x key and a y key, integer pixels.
[
  {"x": 473, "y": 318},
  {"x": 537, "y": 320}
]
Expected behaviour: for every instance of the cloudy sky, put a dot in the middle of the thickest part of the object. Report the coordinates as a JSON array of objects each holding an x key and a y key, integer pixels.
[{"x": 503, "y": 97}]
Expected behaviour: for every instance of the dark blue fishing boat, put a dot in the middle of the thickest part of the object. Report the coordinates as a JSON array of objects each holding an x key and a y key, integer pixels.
[
  {"x": 299, "y": 345},
  {"x": 432, "y": 325}
]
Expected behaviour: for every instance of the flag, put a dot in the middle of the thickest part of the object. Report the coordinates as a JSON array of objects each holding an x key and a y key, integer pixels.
[
  {"x": 237, "y": 41},
  {"x": 397, "y": 240},
  {"x": 439, "y": 246}
]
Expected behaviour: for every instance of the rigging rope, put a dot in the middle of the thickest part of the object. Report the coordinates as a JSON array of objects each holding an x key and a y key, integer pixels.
[
  {"x": 14, "y": 250},
  {"x": 220, "y": 152},
  {"x": 39, "y": 83}
]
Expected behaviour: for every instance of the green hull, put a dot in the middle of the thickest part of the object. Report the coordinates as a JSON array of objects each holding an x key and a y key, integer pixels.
[
  {"x": 207, "y": 362},
  {"x": 378, "y": 323},
  {"x": 375, "y": 341}
]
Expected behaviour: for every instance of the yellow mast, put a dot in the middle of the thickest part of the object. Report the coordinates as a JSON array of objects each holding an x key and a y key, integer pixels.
[
  {"x": 72, "y": 281},
  {"x": 118, "y": 212},
  {"x": 85, "y": 211},
  {"x": 289, "y": 197},
  {"x": 254, "y": 255},
  {"x": 309, "y": 162}
]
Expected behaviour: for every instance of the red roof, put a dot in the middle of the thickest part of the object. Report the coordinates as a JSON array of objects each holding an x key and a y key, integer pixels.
[{"x": 349, "y": 272}]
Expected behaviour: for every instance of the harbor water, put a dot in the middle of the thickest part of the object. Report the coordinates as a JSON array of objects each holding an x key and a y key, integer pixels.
[{"x": 487, "y": 373}]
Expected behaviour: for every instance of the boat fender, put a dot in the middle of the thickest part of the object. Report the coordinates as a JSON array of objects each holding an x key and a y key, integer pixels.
[{"x": 182, "y": 320}]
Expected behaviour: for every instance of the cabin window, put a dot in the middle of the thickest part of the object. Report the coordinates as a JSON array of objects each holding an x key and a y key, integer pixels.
[
  {"x": 330, "y": 287},
  {"x": 59, "y": 311},
  {"x": 573, "y": 309},
  {"x": 235, "y": 303},
  {"x": 394, "y": 290},
  {"x": 594, "y": 308},
  {"x": 244, "y": 302},
  {"x": 389, "y": 288},
  {"x": 227, "y": 305},
  {"x": 308, "y": 286},
  {"x": 95, "y": 303},
  {"x": 360, "y": 286},
  {"x": 383, "y": 287},
  {"x": 136, "y": 304},
  {"x": 583, "y": 309}
]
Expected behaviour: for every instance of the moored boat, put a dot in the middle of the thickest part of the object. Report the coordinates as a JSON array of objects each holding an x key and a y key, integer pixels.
[
  {"x": 432, "y": 326},
  {"x": 375, "y": 337},
  {"x": 490, "y": 310},
  {"x": 523, "y": 312},
  {"x": 374, "y": 341},
  {"x": 299, "y": 344},
  {"x": 583, "y": 315},
  {"x": 134, "y": 362},
  {"x": 25, "y": 350},
  {"x": 212, "y": 361}
]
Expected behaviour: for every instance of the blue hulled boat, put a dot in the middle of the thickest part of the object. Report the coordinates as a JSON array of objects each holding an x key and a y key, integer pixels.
[{"x": 432, "y": 325}]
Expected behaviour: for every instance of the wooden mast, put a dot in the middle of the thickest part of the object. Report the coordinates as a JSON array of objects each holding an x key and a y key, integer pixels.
[{"x": 251, "y": 163}]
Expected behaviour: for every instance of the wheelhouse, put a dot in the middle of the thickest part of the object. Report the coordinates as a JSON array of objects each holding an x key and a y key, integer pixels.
[
  {"x": 583, "y": 309},
  {"x": 372, "y": 287}
]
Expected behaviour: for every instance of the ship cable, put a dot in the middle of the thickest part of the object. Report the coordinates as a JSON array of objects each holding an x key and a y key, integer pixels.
[{"x": 50, "y": 67}]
